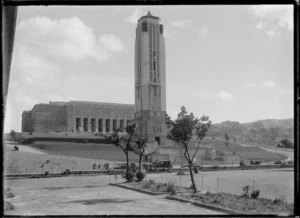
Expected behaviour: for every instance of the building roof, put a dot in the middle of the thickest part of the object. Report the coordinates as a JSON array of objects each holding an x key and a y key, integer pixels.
[
  {"x": 149, "y": 15},
  {"x": 101, "y": 103}
]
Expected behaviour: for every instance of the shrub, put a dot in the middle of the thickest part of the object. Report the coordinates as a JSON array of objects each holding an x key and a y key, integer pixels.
[
  {"x": 278, "y": 201},
  {"x": 246, "y": 191},
  {"x": 9, "y": 195},
  {"x": 129, "y": 176},
  {"x": 216, "y": 201},
  {"x": 152, "y": 181},
  {"x": 8, "y": 206},
  {"x": 148, "y": 184},
  {"x": 208, "y": 193},
  {"x": 171, "y": 187},
  {"x": 140, "y": 176},
  {"x": 255, "y": 194}
]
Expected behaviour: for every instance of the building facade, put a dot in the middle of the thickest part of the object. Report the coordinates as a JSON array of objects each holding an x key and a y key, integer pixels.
[
  {"x": 77, "y": 116},
  {"x": 150, "y": 96},
  {"x": 150, "y": 79}
]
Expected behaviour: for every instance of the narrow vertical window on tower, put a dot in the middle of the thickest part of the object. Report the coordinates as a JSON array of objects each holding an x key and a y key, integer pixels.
[
  {"x": 144, "y": 27},
  {"x": 161, "y": 29}
]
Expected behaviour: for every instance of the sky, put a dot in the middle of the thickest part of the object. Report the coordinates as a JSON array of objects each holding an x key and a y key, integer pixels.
[{"x": 229, "y": 62}]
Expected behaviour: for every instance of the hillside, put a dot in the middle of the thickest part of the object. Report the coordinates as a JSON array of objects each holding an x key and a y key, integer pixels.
[{"x": 268, "y": 132}]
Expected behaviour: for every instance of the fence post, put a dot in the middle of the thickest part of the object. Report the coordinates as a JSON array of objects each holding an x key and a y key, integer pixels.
[
  {"x": 217, "y": 184},
  {"x": 161, "y": 176},
  {"x": 180, "y": 180}
]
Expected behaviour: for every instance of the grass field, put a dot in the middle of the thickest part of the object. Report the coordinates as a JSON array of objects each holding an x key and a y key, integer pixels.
[
  {"x": 244, "y": 152},
  {"x": 82, "y": 150},
  {"x": 29, "y": 162}
]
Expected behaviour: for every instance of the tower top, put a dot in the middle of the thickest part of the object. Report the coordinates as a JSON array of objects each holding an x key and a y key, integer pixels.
[{"x": 149, "y": 15}]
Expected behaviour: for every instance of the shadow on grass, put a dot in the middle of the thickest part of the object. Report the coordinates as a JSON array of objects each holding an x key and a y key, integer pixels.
[{"x": 99, "y": 201}]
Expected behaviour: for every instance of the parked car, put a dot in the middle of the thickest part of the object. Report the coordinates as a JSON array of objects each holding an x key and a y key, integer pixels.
[
  {"x": 278, "y": 162},
  {"x": 255, "y": 162},
  {"x": 161, "y": 165}
]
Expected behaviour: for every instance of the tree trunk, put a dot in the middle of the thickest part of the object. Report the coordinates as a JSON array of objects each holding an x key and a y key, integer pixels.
[
  {"x": 192, "y": 178},
  {"x": 127, "y": 165},
  {"x": 140, "y": 162}
]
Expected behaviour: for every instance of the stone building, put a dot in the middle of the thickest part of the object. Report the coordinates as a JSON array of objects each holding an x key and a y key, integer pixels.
[
  {"x": 150, "y": 79},
  {"x": 77, "y": 116},
  {"x": 150, "y": 96}
]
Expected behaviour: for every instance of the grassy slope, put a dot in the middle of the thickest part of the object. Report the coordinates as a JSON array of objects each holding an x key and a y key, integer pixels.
[
  {"x": 90, "y": 150},
  {"x": 244, "y": 152},
  {"x": 61, "y": 157}
]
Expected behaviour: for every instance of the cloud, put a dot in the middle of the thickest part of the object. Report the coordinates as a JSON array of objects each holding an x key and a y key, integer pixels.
[
  {"x": 136, "y": 15},
  {"x": 111, "y": 43},
  {"x": 203, "y": 31},
  {"x": 181, "y": 23},
  {"x": 269, "y": 84},
  {"x": 225, "y": 96},
  {"x": 249, "y": 85},
  {"x": 272, "y": 17},
  {"x": 66, "y": 39},
  {"x": 167, "y": 34},
  {"x": 272, "y": 33}
]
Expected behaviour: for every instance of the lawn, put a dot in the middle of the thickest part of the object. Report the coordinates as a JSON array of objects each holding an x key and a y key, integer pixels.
[
  {"x": 243, "y": 152},
  {"x": 88, "y": 150},
  {"x": 27, "y": 162}
]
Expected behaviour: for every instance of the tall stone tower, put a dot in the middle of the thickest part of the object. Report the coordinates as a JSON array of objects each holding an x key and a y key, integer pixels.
[{"x": 150, "y": 79}]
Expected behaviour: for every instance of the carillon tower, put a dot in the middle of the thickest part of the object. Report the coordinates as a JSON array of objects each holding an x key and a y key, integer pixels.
[{"x": 150, "y": 79}]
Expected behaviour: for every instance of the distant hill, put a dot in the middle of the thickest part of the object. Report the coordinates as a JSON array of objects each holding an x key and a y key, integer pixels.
[{"x": 269, "y": 131}]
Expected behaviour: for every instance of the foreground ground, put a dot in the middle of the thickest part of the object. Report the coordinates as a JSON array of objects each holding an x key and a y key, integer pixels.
[
  {"x": 89, "y": 195},
  {"x": 272, "y": 183}
]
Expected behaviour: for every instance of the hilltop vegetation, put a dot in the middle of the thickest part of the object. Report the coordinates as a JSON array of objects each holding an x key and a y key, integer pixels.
[{"x": 269, "y": 132}]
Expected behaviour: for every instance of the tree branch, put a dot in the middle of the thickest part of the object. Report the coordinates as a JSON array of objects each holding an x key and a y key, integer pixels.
[{"x": 197, "y": 149}]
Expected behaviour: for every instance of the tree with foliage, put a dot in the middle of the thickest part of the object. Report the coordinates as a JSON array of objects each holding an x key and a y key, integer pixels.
[
  {"x": 13, "y": 134},
  {"x": 182, "y": 131},
  {"x": 287, "y": 143},
  {"x": 227, "y": 139},
  {"x": 124, "y": 142}
]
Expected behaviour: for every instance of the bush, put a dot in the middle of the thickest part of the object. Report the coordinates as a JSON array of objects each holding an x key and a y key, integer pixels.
[
  {"x": 129, "y": 177},
  {"x": 208, "y": 193},
  {"x": 148, "y": 184},
  {"x": 9, "y": 195},
  {"x": 255, "y": 194},
  {"x": 278, "y": 201},
  {"x": 171, "y": 187},
  {"x": 140, "y": 176},
  {"x": 8, "y": 206},
  {"x": 246, "y": 191}
]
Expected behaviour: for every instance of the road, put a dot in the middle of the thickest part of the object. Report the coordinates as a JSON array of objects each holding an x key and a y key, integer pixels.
[{"x": 90, "y": 195}]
